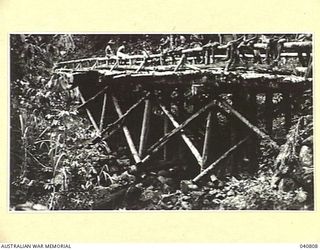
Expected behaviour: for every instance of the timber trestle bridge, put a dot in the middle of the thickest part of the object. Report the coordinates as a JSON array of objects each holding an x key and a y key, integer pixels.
[{"x": 189, "y": 104}]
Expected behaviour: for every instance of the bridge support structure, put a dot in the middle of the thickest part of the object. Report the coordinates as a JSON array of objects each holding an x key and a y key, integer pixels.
[{"x": 199, "y": 118}]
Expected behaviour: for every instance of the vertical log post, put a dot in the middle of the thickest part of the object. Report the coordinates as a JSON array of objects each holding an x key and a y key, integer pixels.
[
  {"x": 253, "y": 142},
  {"x": 180, "y": 114},
  {"x": 212, "y": 54},
  {"x": 186, "y": 139},
  {"x": 145, "y": 127},
  {"x": 287, "y": 109},
  {"x": 93, "y": 122},
  {"x": 207, "y": 137},
  {"x": 269, "y": 112},
  {"x": 161, "y": 60},
  {"x": 166, "y": 126},
  {"x": 235, "y": 131},
  {"x": 162, "y": 141},
  {"x": 214, "y": 148},
  {"x": 207, "y": 56}
]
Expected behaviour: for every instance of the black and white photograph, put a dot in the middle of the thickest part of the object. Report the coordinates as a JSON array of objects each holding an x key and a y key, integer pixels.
[{"x": 171, "y": 121}]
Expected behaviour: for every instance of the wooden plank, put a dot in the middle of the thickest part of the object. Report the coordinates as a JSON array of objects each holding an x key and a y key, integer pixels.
[
  {"x": 111, "y": 65},
  {"x": 287, "y": 45},
  {"x": 221, "y": 158},
  {"x": 158, "y": 145},
  {"x": 141, "y": 65},
  {"x": 190, "y": 66},
  {"x": 188, "y": 142},
  {"x": 181, "y": 61},
  {"x": 145, "y": 127},
  {"x": 126, "y": 132}
]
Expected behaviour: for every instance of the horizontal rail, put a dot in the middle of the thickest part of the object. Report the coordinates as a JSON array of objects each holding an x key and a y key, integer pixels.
[{"x": 301, "y": 46}]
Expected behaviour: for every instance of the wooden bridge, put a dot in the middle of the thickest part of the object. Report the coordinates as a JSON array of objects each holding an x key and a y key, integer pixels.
[{"x": 184, "y": 101}]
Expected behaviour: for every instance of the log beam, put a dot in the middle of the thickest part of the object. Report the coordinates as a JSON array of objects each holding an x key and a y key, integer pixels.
[
  {"x": 103, "y": 111},
  {"x": 93, "y": 122},
  {"x": 115, "y": 125},
  {"x": 165, "y": 132},
  {"x": 221, "y": 158},
  {"x": 85, "y": 103},
  {"x": 158, "y": 145},
  {"x": 269, "y": 112},
  {"x": 207, "y": 137},
  {"x": 126, "y": 132},
  {"x": 186, "y": 139},
  {"x": 145, "y": 127},
  {"x": 228, "y": 109},
  {"x": 287, "y": 110}
]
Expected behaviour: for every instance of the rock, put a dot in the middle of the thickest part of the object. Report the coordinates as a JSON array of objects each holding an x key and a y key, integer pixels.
[
  {"x": 301, "y": 196},
  {"x": 123, "y": 162},
  {"x": 213, "y": 192},
  {"x": 305, "y": 156},
  {"x": 132, "y": 169},
  {"x": 287, "y": 184},
  {"x": 213, "y": 178},
  {"x": 185, "y": 205},
  {"x": 162, "y": 179},
  {"x": 186, "y": 186},
  {"x": 231, "y": 193},
  {"x": 39, "y": 207},
  {"x": 129, "y": 177},
  {"x": 30, "y": 206},
  {"x": 206, "y": 202},
  {"x": 149, "y": 195},
  {"x": 197, "y": 193},
  {"x": 163, "y": 173}
]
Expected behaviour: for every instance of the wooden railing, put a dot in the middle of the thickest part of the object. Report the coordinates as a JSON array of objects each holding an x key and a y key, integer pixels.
[{"x": 206, "y": 54}]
